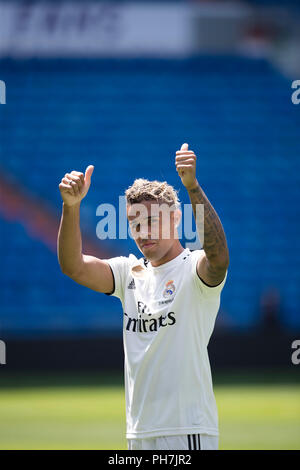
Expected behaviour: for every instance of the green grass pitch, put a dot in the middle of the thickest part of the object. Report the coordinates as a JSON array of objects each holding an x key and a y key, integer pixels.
[{"x": 88, "y": 412}]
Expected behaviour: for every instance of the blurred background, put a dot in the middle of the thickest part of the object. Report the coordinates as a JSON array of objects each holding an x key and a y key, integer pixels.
[{"x": 121, "y": 85}]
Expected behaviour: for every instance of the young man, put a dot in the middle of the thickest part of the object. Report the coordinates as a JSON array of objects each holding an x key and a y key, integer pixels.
[{"x": 170, "y": 299}]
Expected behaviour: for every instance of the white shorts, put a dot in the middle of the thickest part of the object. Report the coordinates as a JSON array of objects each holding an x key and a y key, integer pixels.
[{"x": 184, "y": 442}]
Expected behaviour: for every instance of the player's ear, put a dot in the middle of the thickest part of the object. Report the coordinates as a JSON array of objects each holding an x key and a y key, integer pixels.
[{"x": 177, "y": 217}]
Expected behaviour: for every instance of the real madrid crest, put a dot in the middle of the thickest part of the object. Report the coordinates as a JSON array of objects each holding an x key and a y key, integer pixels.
[{"x": 169, "y": 290}]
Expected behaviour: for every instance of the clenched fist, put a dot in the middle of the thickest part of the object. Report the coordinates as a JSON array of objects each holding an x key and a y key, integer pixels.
[
  {"x": 75, "y": 185},
  {"x": 186, "y": 166}
]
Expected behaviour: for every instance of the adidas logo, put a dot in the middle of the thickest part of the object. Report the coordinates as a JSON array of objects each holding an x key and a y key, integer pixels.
[{"x": 131, "y": 285}]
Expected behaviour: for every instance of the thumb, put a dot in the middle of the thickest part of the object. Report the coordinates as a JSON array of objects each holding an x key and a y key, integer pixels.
[
  {"x": 184, "y": 147},
  {"x": 88, "y": 173}
]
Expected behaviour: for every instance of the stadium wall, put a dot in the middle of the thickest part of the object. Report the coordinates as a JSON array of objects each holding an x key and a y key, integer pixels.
[{"x": 254, "y": 349}]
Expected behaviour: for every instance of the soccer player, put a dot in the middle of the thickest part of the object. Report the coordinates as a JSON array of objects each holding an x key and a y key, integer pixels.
[{"x": 170, "y": 299}]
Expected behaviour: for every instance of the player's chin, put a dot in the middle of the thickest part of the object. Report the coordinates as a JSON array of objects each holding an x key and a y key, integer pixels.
[{"x": 149, "y": 248}]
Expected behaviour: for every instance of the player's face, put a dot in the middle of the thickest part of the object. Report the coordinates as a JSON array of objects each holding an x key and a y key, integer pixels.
[{"x": 153, "y": 228}]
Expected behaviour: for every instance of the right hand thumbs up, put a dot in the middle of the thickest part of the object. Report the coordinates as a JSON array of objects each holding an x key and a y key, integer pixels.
[{"x": 75, "y": 185}]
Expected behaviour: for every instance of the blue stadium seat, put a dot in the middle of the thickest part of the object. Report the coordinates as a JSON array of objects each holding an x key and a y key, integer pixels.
[{"x": 128, "y": 117}]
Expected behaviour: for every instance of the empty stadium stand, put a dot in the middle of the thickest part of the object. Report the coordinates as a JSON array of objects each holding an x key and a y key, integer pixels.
[{"x": 128, "y": 118}]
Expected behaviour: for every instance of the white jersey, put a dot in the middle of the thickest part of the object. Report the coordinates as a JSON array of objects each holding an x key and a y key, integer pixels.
[{"x": 169, "y": 315}]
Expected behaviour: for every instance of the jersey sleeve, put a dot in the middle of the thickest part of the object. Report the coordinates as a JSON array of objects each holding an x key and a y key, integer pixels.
[
  {"x": 119, "y": 266},
  {"x": 206, "y": 290}
]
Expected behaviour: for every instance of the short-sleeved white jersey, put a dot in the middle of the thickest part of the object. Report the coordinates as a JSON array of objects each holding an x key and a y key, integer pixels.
[{"x": 169, "y": 315}]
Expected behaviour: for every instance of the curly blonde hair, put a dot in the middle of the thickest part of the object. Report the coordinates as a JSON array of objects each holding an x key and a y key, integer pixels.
[{"x": 145, "y": 190}]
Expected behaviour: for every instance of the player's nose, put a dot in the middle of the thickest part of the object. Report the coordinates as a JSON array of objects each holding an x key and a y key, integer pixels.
[{"x": 144, "y": 232}]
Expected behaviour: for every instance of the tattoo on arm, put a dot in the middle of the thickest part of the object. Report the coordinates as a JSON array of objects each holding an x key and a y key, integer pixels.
[{"x": 214, "y": 243}]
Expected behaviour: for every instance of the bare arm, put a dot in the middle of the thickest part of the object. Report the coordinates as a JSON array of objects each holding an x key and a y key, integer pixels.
[
  {"x": 86, "y": 270},
  {"x": 212, "y": 267}
]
